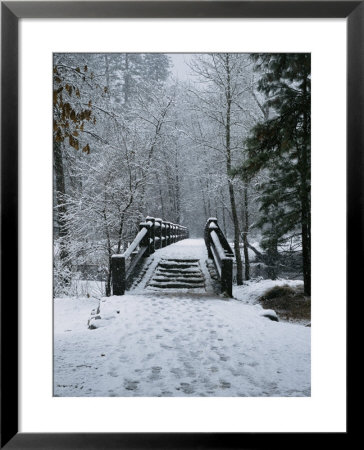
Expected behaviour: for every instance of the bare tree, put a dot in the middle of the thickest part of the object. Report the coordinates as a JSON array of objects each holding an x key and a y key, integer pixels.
[{"x": 222, "y": 100}]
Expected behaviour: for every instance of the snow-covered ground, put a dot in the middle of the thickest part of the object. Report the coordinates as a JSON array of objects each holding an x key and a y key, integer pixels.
[{"x": 176, "y": 343}]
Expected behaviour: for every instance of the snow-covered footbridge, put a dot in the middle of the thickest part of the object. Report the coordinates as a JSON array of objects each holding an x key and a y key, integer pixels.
[{"x": 176, "y": 262}]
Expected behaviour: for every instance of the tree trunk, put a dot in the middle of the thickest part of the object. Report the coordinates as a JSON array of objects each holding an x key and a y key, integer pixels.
[
  {"x": 208, "y": 199},
  {"x": 305, "y": 206},
  {"x": 109, "y": 252},
  {"x": 107, "y": 75},
  {"x": 178, "y": 197},
  {"x": 126, "y": 80},
  {"x": 306, "y": 238},
  {"x": 120, "y": 234},
  {"x": 272, "y": 255},
  {"x": 108, "y": 280},
  {"x": 203, "y": 200},
  {"x": 245, "y": 232},
  {"x": 272, "y": 262},
  {"x": 60, "y": 193},
  {"x": 239, "y": 267},
  {"x": 223, "y": 218},
  {"x": 161, "y": 198}
]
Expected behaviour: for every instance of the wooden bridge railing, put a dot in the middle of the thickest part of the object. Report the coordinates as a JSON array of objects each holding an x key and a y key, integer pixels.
[
  {"x": 220, "y": 252},
  {"x": 153, "y": 235}
]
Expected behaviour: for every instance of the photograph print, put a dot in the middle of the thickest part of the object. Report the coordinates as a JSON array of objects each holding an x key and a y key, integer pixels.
[{"x": 182, "y": 225}]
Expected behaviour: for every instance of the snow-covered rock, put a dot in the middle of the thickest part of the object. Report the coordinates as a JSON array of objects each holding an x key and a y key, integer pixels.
[{"x": 270, "y": 314}]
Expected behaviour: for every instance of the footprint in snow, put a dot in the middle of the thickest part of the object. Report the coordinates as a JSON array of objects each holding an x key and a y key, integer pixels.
[
  {"x": 253, "y": 364},
  {"x": 123, "y": 358},
  {"x": 187, "y": 388},
  {"x": 166, "y": 394},
  {"x": 166, "y": 347},
  {"x": 131, "y": 385},
  {"x": 146, "y": 330},
  {"x": 155, "y": 375},
  {"x": 113, "y": 373},
  {"x": 177, "y": 371},
  {"x": 196, "y": 353}
]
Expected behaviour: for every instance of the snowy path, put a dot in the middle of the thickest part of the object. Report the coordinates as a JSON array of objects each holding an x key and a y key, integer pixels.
[{"x": 177, "y": 344}]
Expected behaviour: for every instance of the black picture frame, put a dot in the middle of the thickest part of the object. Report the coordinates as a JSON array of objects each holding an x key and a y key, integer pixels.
[{"x": 11, "y": 12}]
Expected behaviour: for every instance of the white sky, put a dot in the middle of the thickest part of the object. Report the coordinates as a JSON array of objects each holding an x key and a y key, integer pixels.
[{"x": 180, "y": 69}]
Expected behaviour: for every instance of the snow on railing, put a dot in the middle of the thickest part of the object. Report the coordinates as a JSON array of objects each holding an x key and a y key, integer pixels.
[
  {"x": 153, "y": 234},
  {"x": 220, "y": 252},
  {"x": 135, "y": 243}
]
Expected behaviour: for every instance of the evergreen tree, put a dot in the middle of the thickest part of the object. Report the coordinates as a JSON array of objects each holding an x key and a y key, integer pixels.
[
  {"x": 282, "y": 146},
  {"x": 157, "y": 66}
]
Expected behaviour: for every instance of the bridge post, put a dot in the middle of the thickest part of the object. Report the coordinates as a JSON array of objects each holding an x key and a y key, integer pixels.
[
  {"x": 220, "y": 252},
  {"x": 227, "y": 276},
  {"x": 166, "y": 234},
  {"x": 168, "y": 231},
  {"x": 163, "y": 234},
  {"x": 118, "y": 274},
  {"x": 151, "y": 233},
  {"x": 207, "y": 234},
  {"x": 158, "y": 233}
]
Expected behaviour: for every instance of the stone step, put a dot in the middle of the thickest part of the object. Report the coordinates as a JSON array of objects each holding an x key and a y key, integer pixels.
[
  {"x": 178, "y": 274},
  {"x": 177, "y": 266},
  {"x": 178, "y": 279},
  {"x": 171, "y": 270},
  {"x": 185, "y": 260},
  {"x": 172, "y": 285}
]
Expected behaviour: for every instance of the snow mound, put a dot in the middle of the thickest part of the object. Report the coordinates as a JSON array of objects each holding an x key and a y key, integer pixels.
[{"x": 251, "y": 290}]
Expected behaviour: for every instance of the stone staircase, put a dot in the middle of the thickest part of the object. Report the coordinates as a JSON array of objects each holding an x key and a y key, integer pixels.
[{"x": 177, "y": 274}]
